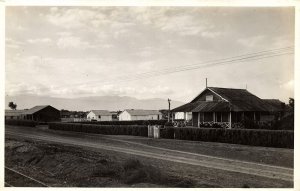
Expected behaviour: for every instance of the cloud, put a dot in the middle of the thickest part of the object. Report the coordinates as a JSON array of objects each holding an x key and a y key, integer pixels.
[
  {"x": 14, "y": 44},
  {"x": 73, "y": 42},
  {"x": 71, "y": 18},
  {"x": 251, "y": 42},
  {"x": 289, "y": 85},
  {"x": 39, "y": 40}
]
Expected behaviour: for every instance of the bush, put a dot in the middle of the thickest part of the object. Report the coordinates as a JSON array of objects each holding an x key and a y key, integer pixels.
[
  {"x": 266, "y": 138},
  {"x": 136, "y": 122},
  {"x": 136, "y": 130},
  {"x": 18, "y": 122}
]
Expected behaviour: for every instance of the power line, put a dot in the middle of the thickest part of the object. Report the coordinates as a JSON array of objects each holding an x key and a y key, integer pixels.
[{"x": 211, "y": 63}]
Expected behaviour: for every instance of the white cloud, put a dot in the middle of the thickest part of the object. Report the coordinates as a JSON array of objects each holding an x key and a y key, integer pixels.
[
  {"x": 251, "y": 42},
  {"x": 72, "y": 42},
  {"x": 14, "y": 44},
  {"x": 288, "y": 85},
  {"x": 39, "y": 40}
]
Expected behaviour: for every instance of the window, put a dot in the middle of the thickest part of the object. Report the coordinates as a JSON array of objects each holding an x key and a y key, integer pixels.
[
  {"x": 99, "y": 116},
  {"x": 209, "y": 98}
]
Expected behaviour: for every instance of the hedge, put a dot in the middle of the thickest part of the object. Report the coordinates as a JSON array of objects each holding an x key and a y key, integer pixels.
[
  {"x": 18, "y": 122},
  {"x": 135, "y": 122},
  {"x": 136, "y": 130},
  {"x": 254, "y": 137}
]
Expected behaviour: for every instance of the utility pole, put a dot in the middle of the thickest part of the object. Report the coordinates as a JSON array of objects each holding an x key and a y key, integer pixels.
[
  {"x": 206, "y": 82},
  {"x": 169, "y": 101}
]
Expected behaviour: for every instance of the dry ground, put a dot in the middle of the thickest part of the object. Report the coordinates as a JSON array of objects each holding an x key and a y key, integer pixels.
[{"x": 61, "y": 165}]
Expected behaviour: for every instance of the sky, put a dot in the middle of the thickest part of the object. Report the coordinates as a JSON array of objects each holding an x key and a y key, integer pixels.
[{"x": 74, "y": 52}]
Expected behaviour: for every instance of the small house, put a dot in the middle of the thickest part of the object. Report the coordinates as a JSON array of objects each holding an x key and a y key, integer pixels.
[
  {"x": 99, "y": 115},
  {"x": 43, "y": 113},
  {"x": 139, "y": 114},
  {"x": 229, "y": 107},
  {"x": 13, "y": 114}
]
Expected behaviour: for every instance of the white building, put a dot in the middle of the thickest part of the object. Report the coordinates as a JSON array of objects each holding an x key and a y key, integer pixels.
[
  {"x": 183, "y": 115},
  {"x": 139, "y": 114},
  {"x": 99, "y": 115}
]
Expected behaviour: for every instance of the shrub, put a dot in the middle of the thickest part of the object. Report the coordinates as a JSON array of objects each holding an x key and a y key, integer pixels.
[
  {"x": 136, "y": 130},
  {"x": 136, "y": 122},
  {"x": 18, "y": 122},
  {"x": 255, "y": 137}
]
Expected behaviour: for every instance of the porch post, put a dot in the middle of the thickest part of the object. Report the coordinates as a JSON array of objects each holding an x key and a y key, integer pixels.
[
  {"x": 230, "y": 120},
  {"x": 198, "y": 119},
  {"x": 214, "y": 117},
  {"x": 254, "y": 116}
]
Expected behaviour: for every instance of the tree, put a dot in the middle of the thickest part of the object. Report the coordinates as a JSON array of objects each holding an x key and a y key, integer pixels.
[
  {"x": 291, "y": 102},
  {"x": 12, "y": 105}
]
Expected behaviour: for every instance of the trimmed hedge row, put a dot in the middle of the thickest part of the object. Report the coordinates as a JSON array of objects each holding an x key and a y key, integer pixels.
[
  {"x": 135, "y": 122},
  {"x": 266, "y": 138},
  {"x": 136, "y": 130},
  {"x": 19, "y": 122}
]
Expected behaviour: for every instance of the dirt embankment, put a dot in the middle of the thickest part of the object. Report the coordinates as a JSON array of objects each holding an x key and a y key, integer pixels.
[{"x": 58, "y": 165}]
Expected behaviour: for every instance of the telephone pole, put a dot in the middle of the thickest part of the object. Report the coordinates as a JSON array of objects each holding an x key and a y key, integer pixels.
[{"x": 169, "y": 101}]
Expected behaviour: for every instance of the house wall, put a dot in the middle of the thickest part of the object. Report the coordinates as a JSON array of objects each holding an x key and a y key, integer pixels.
[
  {"x": 207, "y": 92},
  {"x": 92, "y": 116},
  {"x": 267, "y": 117},
  {"x": 13, "y": 117},
  {"x": 146, "y": 117},
  {"x": 47, "y": 114},
  {"x": 124, "y": 116},
  {"x": 195, "y": 119},
  {"x": 183, "y": 115}
]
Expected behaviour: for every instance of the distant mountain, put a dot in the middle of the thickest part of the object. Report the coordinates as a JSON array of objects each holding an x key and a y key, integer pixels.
[{"x": 89, "y": 103}]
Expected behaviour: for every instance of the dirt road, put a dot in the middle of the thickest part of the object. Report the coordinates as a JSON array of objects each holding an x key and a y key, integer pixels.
[{"x": 138, "y": 148}]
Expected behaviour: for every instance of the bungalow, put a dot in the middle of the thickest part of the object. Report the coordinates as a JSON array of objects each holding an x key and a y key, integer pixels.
[
  {"x": 44, "y": 113},
  {"x": 139, "y": 114},
  {"x": 229, "y": 107},
  {"x": 13, "y": 114},
  {"x": 99, "y": 115}
]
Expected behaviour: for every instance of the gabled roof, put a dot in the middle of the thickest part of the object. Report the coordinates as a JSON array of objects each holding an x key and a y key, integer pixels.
[
  {"x": 204, "y": 106},
  {"x": 237, "y": 99},
  {"x": 141, "y": 112},
  {"x": 276, "y": 103},
  {"x": 101, "y": 112},
  {"x": 35, "y": 109}
]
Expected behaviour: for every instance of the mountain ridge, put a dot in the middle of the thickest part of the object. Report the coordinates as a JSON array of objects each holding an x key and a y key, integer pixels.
[{"x": 89, "y": 103}]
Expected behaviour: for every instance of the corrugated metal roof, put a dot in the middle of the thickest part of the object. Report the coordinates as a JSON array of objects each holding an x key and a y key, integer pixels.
[
  {"x": 101, "y": 112},
  {"x": 276, "y": 103},
  {"x": 35, "y": 109},
  {"x": 139, "y": 112},
  {"x": 13, "y": 112},
  {"x": 238, "y": 100},
  {"x": 203, "y": 106}
]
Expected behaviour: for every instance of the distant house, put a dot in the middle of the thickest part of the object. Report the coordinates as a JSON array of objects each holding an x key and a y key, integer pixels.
[
  {"x": 13, "y": 114},
  {"x": 72, "y": 116},
  {"x": 229, "y": 107},
  {"x": 114, "y": 115},
  {"x": 99, "y": 115},
  {"x": 44, "y": 113},
  {"x": 139, "y": 114}
]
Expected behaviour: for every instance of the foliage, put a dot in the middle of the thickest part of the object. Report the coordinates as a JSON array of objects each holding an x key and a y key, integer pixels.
[
  {"x": 136, "y": 130},
  {"x": 18, "y": 122},
  {"x": 135, "y": 122},
  {"x": 12, "y": 105},
  {"x": 266, "y": 138},
  {"x": 291, "y": 102}
]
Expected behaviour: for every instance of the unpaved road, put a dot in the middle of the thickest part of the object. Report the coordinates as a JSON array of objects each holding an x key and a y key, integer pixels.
[{"x": 137, "y": 148}]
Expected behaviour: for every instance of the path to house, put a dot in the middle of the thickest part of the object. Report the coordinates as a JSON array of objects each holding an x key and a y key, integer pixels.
[{"x": 269, "y": 165}]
